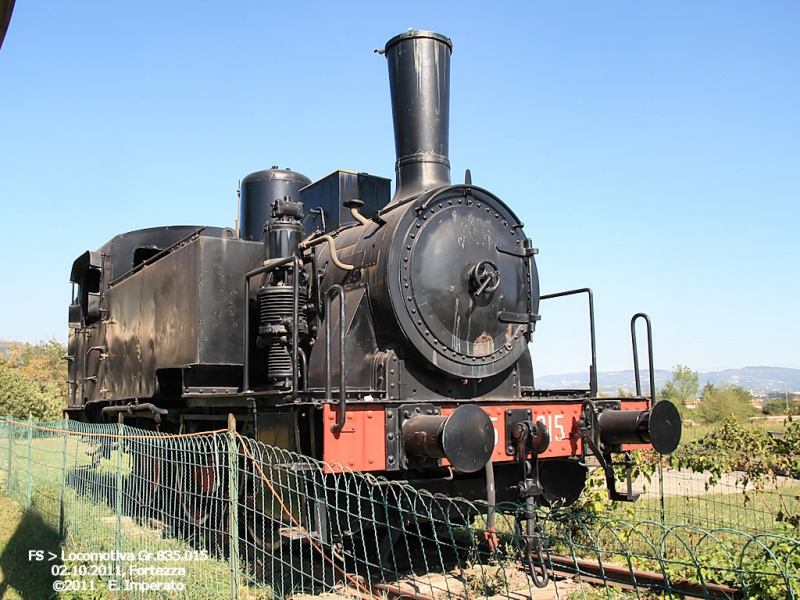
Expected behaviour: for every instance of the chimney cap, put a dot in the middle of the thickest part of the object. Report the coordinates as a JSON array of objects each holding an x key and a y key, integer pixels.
[{"x": 411, "y": 33}]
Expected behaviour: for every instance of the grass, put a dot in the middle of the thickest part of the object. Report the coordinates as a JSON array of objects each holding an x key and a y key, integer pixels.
[
  {"x": 39, "y": 465},
  {"x": 755, "y": 512},
  {"x": 21, "y": 531},
  {"x": 590, "y": 592},
  {"x": 692, "y": 433},
  {"x": 92, "y": 525}
]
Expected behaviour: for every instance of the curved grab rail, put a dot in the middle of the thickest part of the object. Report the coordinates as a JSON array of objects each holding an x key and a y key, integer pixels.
[
  {"x": 649, "y": 357},
  {"x": 593, "y": 366},
  {"x": 333, "y": 290}
]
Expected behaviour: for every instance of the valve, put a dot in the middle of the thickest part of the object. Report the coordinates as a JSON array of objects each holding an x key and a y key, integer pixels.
[{"x": 484, "y": 277}]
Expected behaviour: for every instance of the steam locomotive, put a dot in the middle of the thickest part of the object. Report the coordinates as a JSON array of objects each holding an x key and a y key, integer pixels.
[{"x": 386, "y": 334}]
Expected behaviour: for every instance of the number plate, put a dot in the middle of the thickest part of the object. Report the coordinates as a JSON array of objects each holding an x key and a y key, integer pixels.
[{"x": 561, "y": 419}]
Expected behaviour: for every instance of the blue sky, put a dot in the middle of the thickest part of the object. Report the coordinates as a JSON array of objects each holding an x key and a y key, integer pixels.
[{"x": 651, "y": 148}]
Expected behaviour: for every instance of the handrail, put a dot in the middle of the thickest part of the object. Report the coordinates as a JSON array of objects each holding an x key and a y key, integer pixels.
[
  {"x": 649, "y": 355},
  {"x": 334, "y": 289},
  {"x": 593, "y": 366}
]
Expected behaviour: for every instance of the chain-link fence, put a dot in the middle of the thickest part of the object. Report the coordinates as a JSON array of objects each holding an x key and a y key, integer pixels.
[{"x": 216, "y": 515}]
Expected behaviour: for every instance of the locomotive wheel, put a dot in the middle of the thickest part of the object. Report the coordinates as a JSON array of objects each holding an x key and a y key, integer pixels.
[
  {"x": 200, "y": 501},
  {"x": 281, "y": 558},
  {"x": 389, "y": 553},
  {"x": 262, "y": 530},
  {"x": 263, "y": 534},
  {"x": 196, "y": 486},
  {"x": 146, "y": 471},
  {"x": 146, "y": 481}
]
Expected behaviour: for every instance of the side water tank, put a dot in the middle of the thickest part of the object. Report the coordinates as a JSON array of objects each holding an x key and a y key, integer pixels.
[{"x": 259, "y": 191}]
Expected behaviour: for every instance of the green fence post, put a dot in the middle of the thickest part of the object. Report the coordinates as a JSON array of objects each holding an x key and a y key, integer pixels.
[
  {"x": 11, "y": 432},
  {"x": 61, "y": 517},
  {"x": 661, "y": 490},
  {"x": 118, "y": 503},
  {"x": 233, "y": 511},
  {"x": 28, "y": 491}
]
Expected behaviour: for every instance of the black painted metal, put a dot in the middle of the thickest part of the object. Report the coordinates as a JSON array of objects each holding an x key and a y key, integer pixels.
[
  {"x": 659, "y": 426},
  {"x": 6, "y": 8},
  {"x": 281, "y": 296},
  {"x": 416, "y": 265},
  {"x": 326, "y": 199},
  {"x": 282, "y": 239},
  {"x": 468, "y": 438},
  {"x": 419, "y": 81},
  {"x": 144, "y": 256},
  {"x": 421, "y": 429},
  {"x": 87, "y": 275},
  {"x": 182, "y": 312},
  {"x": 393, "y": 439},
  {"x": 332, "y": 291},
  {"x": 562, "y": 480},
  {"x": 624, "y": 426},
  {"x": 127, "y": 252},
  {"x": 258, "y": 191},
  {"x": 271, "y": 265},
  {"x": 665, "y": 427},
  {"x": 465, "y": 437},
  {"x": 514, "y": 416},
  {"x": 536, "y": 436}
]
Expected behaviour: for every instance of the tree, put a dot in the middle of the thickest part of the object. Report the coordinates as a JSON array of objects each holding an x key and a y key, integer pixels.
[
  {"x": 20, "y": 395},
  {"x": 681, "y": 388},
  {"x": 726, "y": 402},
  {"x": 34, "y": 380},
  {"x": 782, "y": 406},
  {"x": 43, "y": 362}
]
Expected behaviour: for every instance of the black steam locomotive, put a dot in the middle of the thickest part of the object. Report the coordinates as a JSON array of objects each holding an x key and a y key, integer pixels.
[{"x": 375, "y": 333}]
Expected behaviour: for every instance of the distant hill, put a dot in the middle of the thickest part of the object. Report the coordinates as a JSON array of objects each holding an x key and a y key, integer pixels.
[
  {"x": 756, "y": 379},
  {"x": 5, "y": 347},
  {"x": 607, "y": 381},
  {"x": 762, "y": 379}
]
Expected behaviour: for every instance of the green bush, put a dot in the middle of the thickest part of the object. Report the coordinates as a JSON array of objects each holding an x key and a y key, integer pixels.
[
  {"x": 20, "y": 395},
  {"x": 719, "y": 404},
  {"x": 757, "y": 457},
  {"x": 33, "y": 379}
]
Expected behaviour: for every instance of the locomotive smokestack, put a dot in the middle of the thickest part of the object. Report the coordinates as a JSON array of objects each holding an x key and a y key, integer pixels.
[{"x": 419, "y": 81}]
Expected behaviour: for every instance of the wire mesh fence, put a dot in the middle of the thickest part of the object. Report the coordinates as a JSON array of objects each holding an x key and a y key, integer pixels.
[
  {"x": 701, "y": 499},
  {"x": 216, "y": 515}
]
